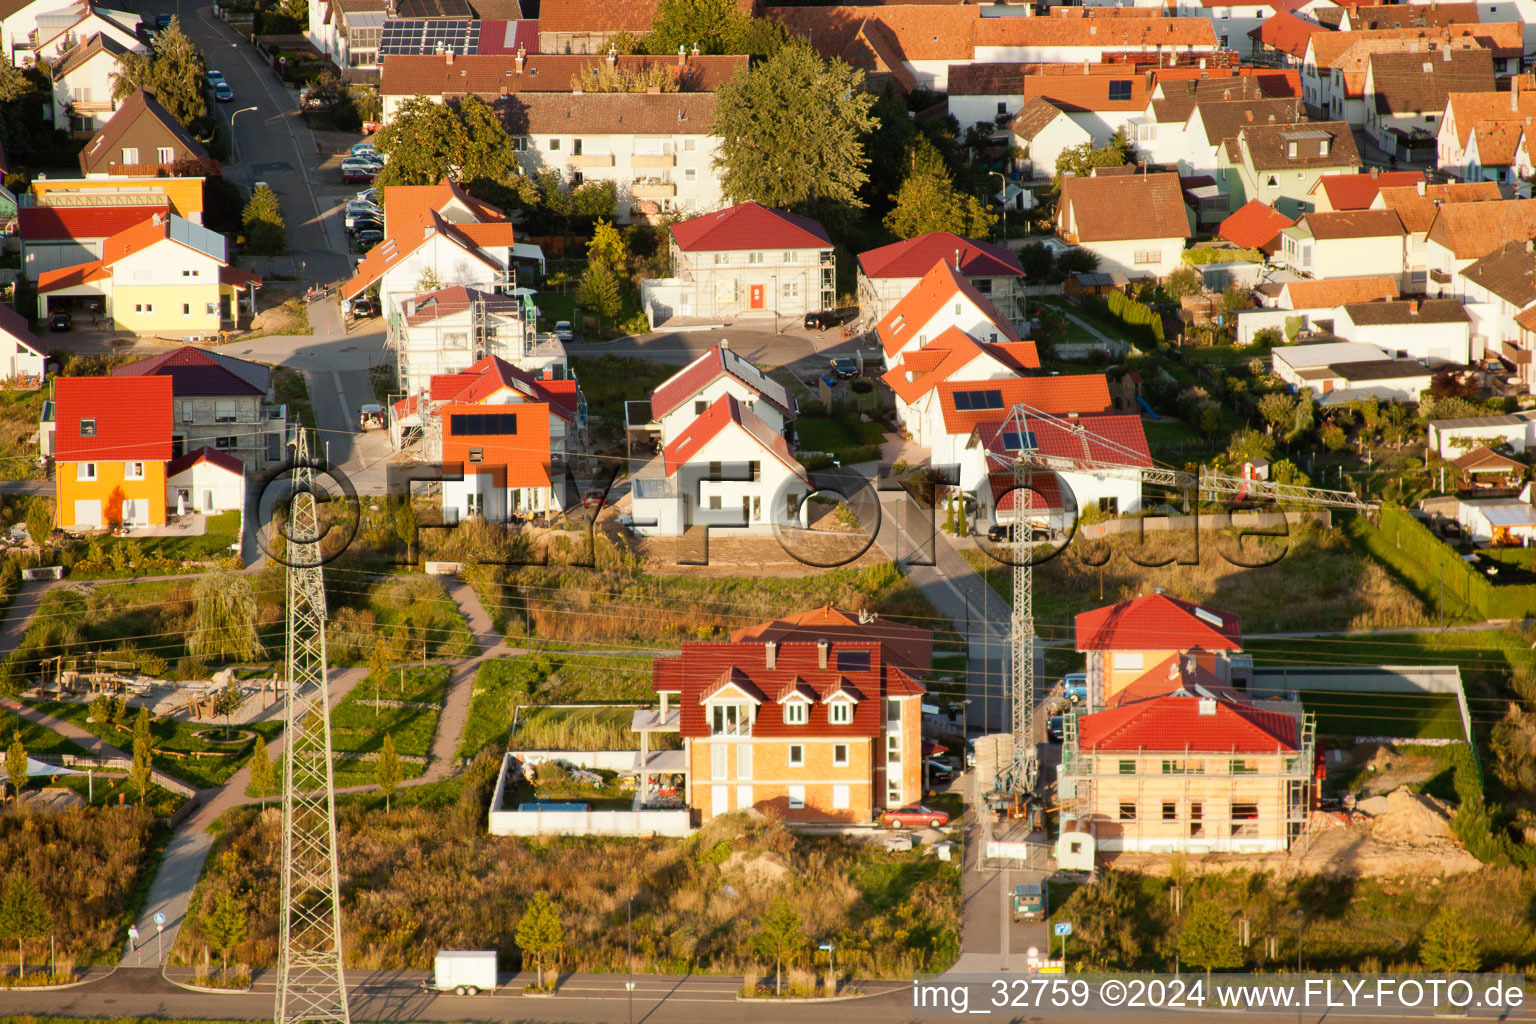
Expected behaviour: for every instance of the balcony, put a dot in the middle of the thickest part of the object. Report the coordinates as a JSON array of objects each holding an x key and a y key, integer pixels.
[
  {"x": 1515, "y": 354},
  {"x": 653, "y": 160},
  {"x": 583, "y": 160},
  {"x": 83, "y": 107},
  {"x": 654, "y": 189}
]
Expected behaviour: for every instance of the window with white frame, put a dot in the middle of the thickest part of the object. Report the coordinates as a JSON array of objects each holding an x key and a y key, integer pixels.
[
  {"x": 186, "y": 412},
  {"x": 690, "y": 174},
  {"x": 224, "y": 410},
  {"x": 689, "y": 145},
  {"x": 755, "y": 258},
  {"x": 839, "y": 755},
  {"x": 133, "y": 471},
  {"x": 795, "y": 713},
  {"x": 717, "y": 762},
  {"x": 722, "y": 258},
  {"x": 729, "y": 720},
  {"x": 130, "y": 154},
  {"x": 1148, "y": 256},
  {"x": 840, "y": 712},
  {"x": 85, "y": 471},
  {"x": 164, "y": 155},
  {"x": 796, "y": 797},
  {"x": 791, "y": 257},
  {"x": 791, "y": 289},
  {"x": 87, "y": 428},
  {"x": 554, "y": 145},
  {"x": 796, "y": 755}
]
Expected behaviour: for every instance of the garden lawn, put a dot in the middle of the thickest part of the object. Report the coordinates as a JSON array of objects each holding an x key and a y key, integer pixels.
[
  {"x": 1405, "y": 715},
  {"x": 360, "y": 728},
  {"x": 35, "y": 738},
  {"x": 222, "y": 531},
  {"x": 822, "y": 434},
  {"x": 608, "y": 382},
  {"x": 177, "y": 745}
]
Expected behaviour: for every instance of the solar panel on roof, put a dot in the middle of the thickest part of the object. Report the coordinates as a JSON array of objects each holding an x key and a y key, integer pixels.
[
  {"x": 1011, "y": 440},
  {"x": 429, "y": 35}
]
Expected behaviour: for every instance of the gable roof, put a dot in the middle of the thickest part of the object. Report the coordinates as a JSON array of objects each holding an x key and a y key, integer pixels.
[
  {"x": 719, "y": 361},
  {"x": 1125, "y": 206},
  {"x": 920, "y": 305},
  {"x": 70, "y": 277},
  {"x": 1318, "y": 144},
  {"x": 1057, "y": 396},
  {"x": 1483, "y": 459},
  {"x": 1427, "y": 311},
  {"x": 1415, "y": 206},
  {"x": 138, "y": 114},
  {"x": 1287, "y": 33},
  {"x": 913, "y": 31},
  {"x": 1158, "y": 622},
  {"x": 1223, "y": 118},
  {"x": 1255, "y": 225},
  {"x": 455, "y": 299},
  {"x": 1082, "y": 440},
  {"x": 605, "y": 113},
  {"x": 1332, "y": 292},
  {"x": 910, "y": 647},
  {"x": 749, "y": 226},
  {"x": 920, "y": 371},
  {"x": 1497, "y": 142},
  {"x": 716, "y": 419},
  {"x": 81, "y": 52},
  {"x": 412, "y": 216},
  {"x": 1175, "y": 723},
  {"x": 1180, "y": 96},
  {"x": 1359, "y": 191},
  {"x": 1412, "y": 83},
  {"x": 1112, "y": 33},
  {"x": 492, "y": 375},
  {"x": 1353, "y": 224},
  {"x": 15, "y": 326},
  {"x": 1071, "y": 86},
  {"x": 1466, "y": 110},
  {"x": 196, "y": 372},
  {"x": 221, "y": 460},
  {"x": 1411, "y": 15},
  {"x": 1508, "y": 272},
  {"x": 1034, "y": 117},
  {"x": 132, "y": 417},
  {"x": 914, "y": 257},
  {"x": 1473, "y": 230}
]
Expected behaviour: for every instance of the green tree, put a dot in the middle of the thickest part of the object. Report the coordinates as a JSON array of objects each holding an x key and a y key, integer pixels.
[
  {"x": 1449, "y": 944},
  {"x": 715, "y": 26},
  {"x": 1207, "y": 939},
  {"x": 175, "y": 72},
  {"x": 1246, "y": 445},
  {"x": 387, "y": 772},
  {"x": 224, "y": 618},
  {"x": 1302, "y": 417},
  {"x": 1039, "y": 263},
  {"x": 1081, "y": 160},
  {"x": 229, "y": 700},
  {"x": 553, "y": 195},
  {"x": 1105, "y": 922},
  {"x": 23, "y": 916},
  {"x": 791, "y": 131},
  {"x": 427, "y": 141},
  {"x": 598, "y": 292},
  {"x": 594, "y": 199},
  {"x": 607, "y": 247},
  {"x": 406, "y": 523},
  {"x": 225, "y": 926},
  {"x": 929, "y": 201},
  {"x": 781, "y": 937},
  {"x": 266, "y": 232},
  {"x": 540, "y": 933},
  {"x": 1333, "y": 437},
  {"x": 1278, "y": 409},
  {"x": 1183, "y": 281},
  {"x": 142, "y": 772},
  {"x": 488, "y": 153},
  {"x": 1077, "y": 261},
  {"x": 40, "y": 521},
  {"x": 263, "y": 773},
  {"x": 16, "y": 765}
]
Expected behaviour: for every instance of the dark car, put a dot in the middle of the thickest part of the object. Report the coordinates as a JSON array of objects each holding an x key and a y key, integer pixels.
[
  {"x": 364, "y": 307},
  {"x": 826, "y": 319},
  {"x": 1053, "y": 729},
  {"x": 362, "y": 224},
  {"x": 939, "y": 771},
  {"x": 163, "y": 22},
  {"x": 368, "y": 239},
  {"x": 61, "y": 322},
  {"x": 845, "y": 367},
  {"x": 1001, "y": 533}
]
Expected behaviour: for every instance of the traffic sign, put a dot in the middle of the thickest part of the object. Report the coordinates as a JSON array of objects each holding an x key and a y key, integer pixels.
[
  {"x": 1063, "y": 927},
  {"x": 159, "y": 920}
]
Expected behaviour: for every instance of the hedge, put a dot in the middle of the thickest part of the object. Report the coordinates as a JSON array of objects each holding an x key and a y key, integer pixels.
[
  {"x": 1139, "y": 318},
  {"x": 1432, "y": 559}
]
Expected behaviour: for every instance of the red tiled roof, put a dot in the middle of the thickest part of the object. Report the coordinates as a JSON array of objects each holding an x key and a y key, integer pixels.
[
  {"x": 1358, "y": 191},
  {"x": 492, "y": 375},
  {"x": 749, "y": 226},
  {"x": 712, "y": 421},
  {"x": 911, "y": 647},
  {"x": 717, "y": 362},
  {"x": 42, "y": 223},
  {"x": 495, "y": 75},
  {"x": 222, "y": 460},
  {"x": 938, "y": 286},
  {"x": 916, "y": 256},
  {"x": 1287, "y": 33},
  {"x": 920, "y": 371},
  {"x": 1158, "y": 622},
  {"x": 1081, "y": 393},
  {"x": 701, "y": 668},
  {"x": 1107, "y": 33},
  {"x": 69, "y": 277},
  {"x": 1042, "y": 494},
  {"x": 1119, "y": 439},
  {"x": 1174, "y": 723},
  {"x": 196, "y": 373},
  {"x": 1254, "y": 225},
  {"x": 132, "y": 415}
]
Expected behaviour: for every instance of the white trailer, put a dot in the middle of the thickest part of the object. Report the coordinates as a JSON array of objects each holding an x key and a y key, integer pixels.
[{"x": 464, "y": 972}]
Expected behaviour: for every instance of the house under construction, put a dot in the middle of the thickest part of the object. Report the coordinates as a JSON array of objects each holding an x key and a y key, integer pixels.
[{"x": 451, "y": 329}]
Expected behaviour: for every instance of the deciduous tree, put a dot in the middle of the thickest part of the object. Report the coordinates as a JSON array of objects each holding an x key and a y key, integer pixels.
[
  {"x": 142, "y": 772},
  {"x": 598, "y": 292},
  {"x": 1207, "y": 939},
  {"x": 224, "y": 618},
  {"x": 929, "y": 201},
  {"x": 263, "y": 773},
  {"x": 40, "y": 521},
  {"x": 427, "y": 140},
  {"x": 1182, "y": 282},
  {"x": 791, "y": 131},
  {"x": 1081, "y": 160},
  {"x": 607, "y": 247},
  {"x": 540, "y": 933},
  {"x": 23, "y": 916},
  {"x": 387, "y": 772},
  {"x": 16, "y": 765},
  {"x": 781, "y": 936},
  {"x": 225, "y": 926},
  {"x": 714, "y": 26},
  {"x": 229, "y": 700}
]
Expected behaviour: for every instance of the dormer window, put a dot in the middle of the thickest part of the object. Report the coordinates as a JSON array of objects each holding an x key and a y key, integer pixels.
[
  {"x": 796, "y": 712},
  {"x": 729, "y": 720},
  {"x": 840, "y": 712}
]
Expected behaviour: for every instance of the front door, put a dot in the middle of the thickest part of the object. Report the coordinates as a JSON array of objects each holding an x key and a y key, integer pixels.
[{"x": 756, "y": 300}]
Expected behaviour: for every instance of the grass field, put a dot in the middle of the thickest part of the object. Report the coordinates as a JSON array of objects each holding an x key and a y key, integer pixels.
[
  {"x": 359, "y": 728},
  {"x": 1400, "y": 715},
  {"x": 821, "y": 434},
  {"x": 222, "y": 531},
  {"x": 594, "y": 728}
]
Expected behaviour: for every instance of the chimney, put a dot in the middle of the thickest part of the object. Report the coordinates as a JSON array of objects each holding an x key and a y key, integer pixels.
[
  {"x": 1248, "y": 114},
  {"x": 771, "y": 654},
  {"x": 448, "y": 57},
  {"x": 520, "y": 59},
  {"x": 682, "y": 55},
  {"x": 695, "y": 50},
  {"x": 1375, "y": 172},
  {"x": 957, "y": 260},
  {"x": 822, "y": 648},
  {"x": 1413, "y": 306},
  {"x": 1514, "y": 94},
  {"x": 1420, "y": 186}
]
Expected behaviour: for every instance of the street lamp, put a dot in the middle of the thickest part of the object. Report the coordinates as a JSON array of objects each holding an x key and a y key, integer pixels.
[
  {"x": 1004, "y": 179},
  {"x": 629, "y": 941},
  {"x": 234, "y": 140}
]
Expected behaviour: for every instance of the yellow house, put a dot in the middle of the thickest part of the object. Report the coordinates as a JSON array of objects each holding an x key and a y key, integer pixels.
[
  {"x": 166, "y": 277},
  {"x": 112, "y": 439}
]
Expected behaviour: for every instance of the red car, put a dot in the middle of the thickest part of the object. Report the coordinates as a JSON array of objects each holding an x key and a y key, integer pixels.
[{"x": 914, "y": 816}]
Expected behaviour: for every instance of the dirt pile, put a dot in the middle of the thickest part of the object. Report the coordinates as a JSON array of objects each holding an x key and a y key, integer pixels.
[{"x": 1412, "y": 819}]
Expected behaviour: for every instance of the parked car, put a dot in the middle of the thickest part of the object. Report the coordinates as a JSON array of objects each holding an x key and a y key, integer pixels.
[
  {"x": 939, "y": 771},
  {"x": 914, "y": 816},
  {"x": 563, "y": 330},
  {"x": 358, "y": 170},
  {"x": 222, "y": 92},
  {"x": 366, "y": 196},
  {"x": 1074, "y": 686},
  {"x": 362, "y": 224},
  {"x": 1053, "y": 729},
  {"x": 1029, "y": 902},
  {"x": 366, "y": 240},
  {"x": 61, "y": 321},
  {"x": 353, "y": 218},
  {"x": 162, "y": 22},
  {"x": 215, "y": 77},
  {"x": 970, "y": 754},
  {"x": 826, "y": 319},
  {"x": 362, "y": 149},
  {"x": 845, "y": 367},
  {"x": 1000, "y": 533},
  {"x": 592, "y": 498},
  {"x": 363, "y": 307}
]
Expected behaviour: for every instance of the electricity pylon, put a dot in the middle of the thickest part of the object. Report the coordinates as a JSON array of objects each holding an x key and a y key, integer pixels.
[{"x": 310, "y": 983}]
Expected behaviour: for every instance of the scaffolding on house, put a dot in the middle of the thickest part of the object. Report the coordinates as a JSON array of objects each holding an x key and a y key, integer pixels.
[{"x": 1182, "y": 790}]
